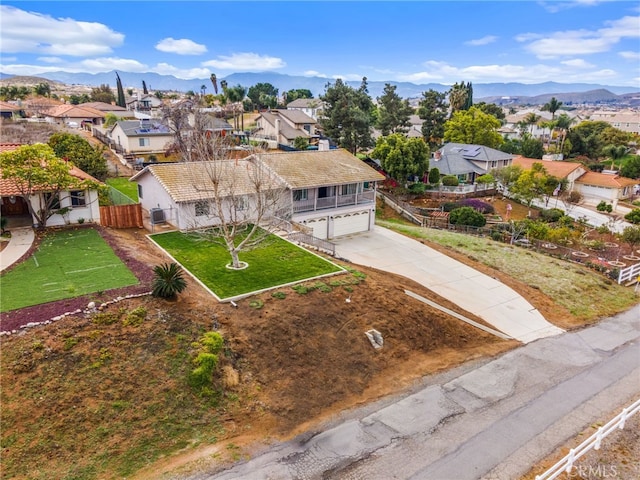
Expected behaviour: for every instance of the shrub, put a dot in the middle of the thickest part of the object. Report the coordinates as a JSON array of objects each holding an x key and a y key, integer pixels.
[
  {"x": 551, "y": 215},
  {"x": 256, "y": 304},
  {"x": 633, "y": 216},
  {"x": 467, "y": 216},
  {"x": 168, "y": 281},
  {"x": 206, "y": 361},
  {"x": 135, "y": 317},
  {"x": 479, "y": 205},
  {"x": 450, "y": 181},
  {"x": 604, "y": 207},
  {"x": 450, "y": 206},
  {"x": 279, "y": 295},
  {"x": 417, "y": 188},
  {"x": 434, "y": 176}
]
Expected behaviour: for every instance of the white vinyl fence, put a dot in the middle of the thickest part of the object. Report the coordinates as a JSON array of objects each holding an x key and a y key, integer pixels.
[{"x": 593, "y": 442}]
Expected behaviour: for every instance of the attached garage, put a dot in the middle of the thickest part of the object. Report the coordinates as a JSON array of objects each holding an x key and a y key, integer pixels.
[
  {"x": 320, "y": 227},
  {"x": 351, "y": 223}
]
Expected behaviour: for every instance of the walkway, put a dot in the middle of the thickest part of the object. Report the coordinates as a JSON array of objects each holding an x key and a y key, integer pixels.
[
  {"x": 486, "y": 297},
  {"x": 20, "y": 243}
]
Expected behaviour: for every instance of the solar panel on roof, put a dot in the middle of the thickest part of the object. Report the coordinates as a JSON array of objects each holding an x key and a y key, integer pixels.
[{"x": 471, "y": 152}]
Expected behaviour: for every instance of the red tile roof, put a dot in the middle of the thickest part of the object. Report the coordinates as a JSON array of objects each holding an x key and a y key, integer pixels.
[
  {"x": 605, "y": 180},
  {"x": 558, "y": 169}
]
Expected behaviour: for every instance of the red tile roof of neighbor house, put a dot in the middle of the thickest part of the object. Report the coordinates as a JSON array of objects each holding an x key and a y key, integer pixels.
[
  {"x": 9, "y": 107},
  {"x": 559, "y": 169},
  {"x": 74, "y": 111},
  {"x": 8, "y": 186},
  {"x": 606, "y": 180}
]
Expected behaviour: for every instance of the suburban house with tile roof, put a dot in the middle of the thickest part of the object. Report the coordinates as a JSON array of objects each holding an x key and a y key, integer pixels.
[
  {"x": 593, "y": 186},
  {"x": 74, "y": 115},
  {"x": 10, "y": 111},
  {"x": 331, "y": 192},
  {"x": 468, "y": 162},
  {"x": 106, "y": 108},
  {"x": 310, "y": 106},
  {"x": 284, "y": 126},
  {"x": 78, "y": 204}
]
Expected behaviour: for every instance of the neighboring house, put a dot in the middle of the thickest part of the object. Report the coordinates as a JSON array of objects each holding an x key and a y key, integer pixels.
[
  {"x": 106, "y": 108},
  {"x": 596, "y": 187},
  {"x": 569, "y": 171},
  {"x": 149, "y": 104},
  {"x": 74, "y": 115},
  {"x": 10, "y": 111},
  {"x": 81, "y": 204},
  {"x": 593, "y": 186},
  {"x": 284, "y": 126},
  {"x": 515, "y": 123},
  {"x": 468, "y": 162},
  {"x": 310, "y": 106},
  {"x": 136, "y": 137},
  {"x": 37, "y": 106},
  {"x": 626, "y": 120},
  {"x": 332, "y": 192}
]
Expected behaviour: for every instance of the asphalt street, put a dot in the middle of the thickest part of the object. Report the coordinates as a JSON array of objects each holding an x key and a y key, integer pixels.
[{"x": 490, "y": 420}]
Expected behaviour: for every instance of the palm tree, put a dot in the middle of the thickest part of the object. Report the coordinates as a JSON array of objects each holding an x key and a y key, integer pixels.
[
  {"x": 563, "y": 123},
  {"x": 552, "y": 106},
  {"x": 531, "y": 119},
  {"x": 214, "y": 81},
  {"x": 614, "y": 152},
  {"x": 168, "y": 281},
  {"x": 203, "y": 89}
]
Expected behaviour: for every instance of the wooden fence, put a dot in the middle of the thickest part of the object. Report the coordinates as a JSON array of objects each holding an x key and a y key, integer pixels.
[{"x": 121, "y": 216}]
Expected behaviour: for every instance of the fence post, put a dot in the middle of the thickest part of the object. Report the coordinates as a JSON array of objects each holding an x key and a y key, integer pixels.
[
  {"x": 624, "y": 417},
  {"x": 570, "y": 460},
  {"x": 598, "y": 439}
]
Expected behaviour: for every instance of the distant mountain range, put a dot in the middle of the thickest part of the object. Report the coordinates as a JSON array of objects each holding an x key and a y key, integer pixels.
[{"x": 491, "y": 92}]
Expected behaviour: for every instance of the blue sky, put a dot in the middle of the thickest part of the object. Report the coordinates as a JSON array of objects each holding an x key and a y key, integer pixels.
[{"x": 588, "y": 41}]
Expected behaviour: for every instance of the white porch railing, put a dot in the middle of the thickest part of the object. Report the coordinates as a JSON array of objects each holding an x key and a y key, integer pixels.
[
  {"x": 593, "y": 442},
  {"x": 629, "y": 274}
]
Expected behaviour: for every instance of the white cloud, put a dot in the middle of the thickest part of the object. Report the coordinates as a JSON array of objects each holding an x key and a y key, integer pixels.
[
  {"x": 30, "y": 32},
  {"x": 185, "y": 74},
  {"x": 240, "y": 62},
  {"x": 183, "y": 46},
  {"x": 50, "y": 59},
  {"x": 107, "y": 64},
  {"x": 568, "y": 72},
  {"x": 313, "y": 73},
  {"x": 482, "y": 41},
  {"x": 349, "y": 77},
  {"x": 581, "y": 42},
  {"x": 558, "y": 6},
  {"x": 628, "y": 55},
  {"x": 577, "y": 63}
]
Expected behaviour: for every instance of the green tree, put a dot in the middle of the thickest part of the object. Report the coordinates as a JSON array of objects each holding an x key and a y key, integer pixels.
[
  {"x": 168, "y": 281},
  {"x": 533, "y": 184},
  {"x": 614, "y": 136},
  {"x": 214, "y": 82},
  {"x": 110, "y": 119},
  {"x": 300, "y": 143},
  {"x": 234, "y": 96},
  {"x": 121, "y": 102},
  {"x": 43, "y": 89},
  {"x": 507, "y": 176},
  {"x": 631, "y": 168},
  {"x": 292, "y": 94},
  {"x": 450, "y": 181},
  {"x": 37, "y": 172},
  {"x": 80, "y": 152},
  {"x": 615, "y": 153},
  {"x": 402, "y": 157},
  {"x": 434, "y": 176},
  {"x": 552, "y": 106},
  {"x": 473, "y": 126},
  {"x": 432, "y": 109},
  {"x": 633, "y": 216},
  {"x": 530, "y": 120},
  {"x": 145, "y": 90},
  {"x": 631, "y": 236},
  {"x": 492, "y": 109},
  {"x": 263, "y": 95},
  {"x": 347, "y": 116},
  {"x": 467, "y": 216},
  {"x": 393, "y": 112},
  {"x": 460, "y": 97},
  {"x": 78, "y": 99},
  {"x": 586, "y": 138},
  {"x": 532, "y": 147},
  {"x": 103, "y": 93}
]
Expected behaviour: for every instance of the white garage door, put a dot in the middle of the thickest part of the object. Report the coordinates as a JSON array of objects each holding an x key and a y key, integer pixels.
[
  {"x": 319, "y": 226},
  {"x": 350, "y": 223}
]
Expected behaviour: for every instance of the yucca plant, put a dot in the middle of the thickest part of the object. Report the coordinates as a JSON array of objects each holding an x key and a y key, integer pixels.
[{"x": 169, "y": 281}]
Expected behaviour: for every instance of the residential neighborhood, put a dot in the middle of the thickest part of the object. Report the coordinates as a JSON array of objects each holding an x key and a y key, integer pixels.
[{"x": 235, "y": 245}]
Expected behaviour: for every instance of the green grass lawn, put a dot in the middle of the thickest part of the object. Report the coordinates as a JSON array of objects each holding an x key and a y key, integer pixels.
[
  {"x": 275, "y": 262},
  {"x": 67, "y": 264},
  {"x": 124, "y": 186}
]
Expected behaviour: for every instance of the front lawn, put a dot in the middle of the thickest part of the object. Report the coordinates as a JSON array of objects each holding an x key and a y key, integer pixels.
[
  {"x": 124, "y": 186},
  {"x": 275, "y": 262},
  {"x": 67, "y": 264}
]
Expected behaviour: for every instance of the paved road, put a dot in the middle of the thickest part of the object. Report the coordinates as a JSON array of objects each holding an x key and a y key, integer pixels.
[
  {"x": 491, "y": 420},
  {"x": 485, "y": 296}
]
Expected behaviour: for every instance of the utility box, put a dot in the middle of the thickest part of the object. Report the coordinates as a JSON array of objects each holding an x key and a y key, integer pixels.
[{"x": 156, "y": 216}]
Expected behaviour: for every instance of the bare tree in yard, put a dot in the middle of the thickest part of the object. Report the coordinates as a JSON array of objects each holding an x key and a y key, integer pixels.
[{"x": 239, "y": 202}]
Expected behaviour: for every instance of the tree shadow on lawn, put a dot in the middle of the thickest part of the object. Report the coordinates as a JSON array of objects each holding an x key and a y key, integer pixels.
[{"x": 15, "y": 319}]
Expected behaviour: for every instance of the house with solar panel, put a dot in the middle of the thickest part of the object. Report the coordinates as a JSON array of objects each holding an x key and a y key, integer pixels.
[{"x": 467, "y": 163}]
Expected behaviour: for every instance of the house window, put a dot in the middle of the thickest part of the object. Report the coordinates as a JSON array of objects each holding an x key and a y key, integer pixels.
[
  {"x": 202, "y": 209},
  {"x": 326, "y": 192},
  {"x": 299, "y": 195},
  {"x": 78, "y": 198},
  {"x": 242, "y": 203},
  {"x": 139, "y": 191},
  {"x": 54, "y": 203},
  {"x": 349, "y": 189},
  {"x": 494, "y": 164},
  {"x": 144, "y": 142}
]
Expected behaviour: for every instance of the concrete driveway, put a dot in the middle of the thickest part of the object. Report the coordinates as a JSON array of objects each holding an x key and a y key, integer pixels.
[{"x": 489, "y": 299}]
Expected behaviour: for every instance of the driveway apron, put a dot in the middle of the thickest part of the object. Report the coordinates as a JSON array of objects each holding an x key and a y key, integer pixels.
[{"x": 486, "y": 297}]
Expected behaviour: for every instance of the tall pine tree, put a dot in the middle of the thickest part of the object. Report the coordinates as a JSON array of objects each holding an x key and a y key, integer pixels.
[{"x": 121, "y": 102}]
